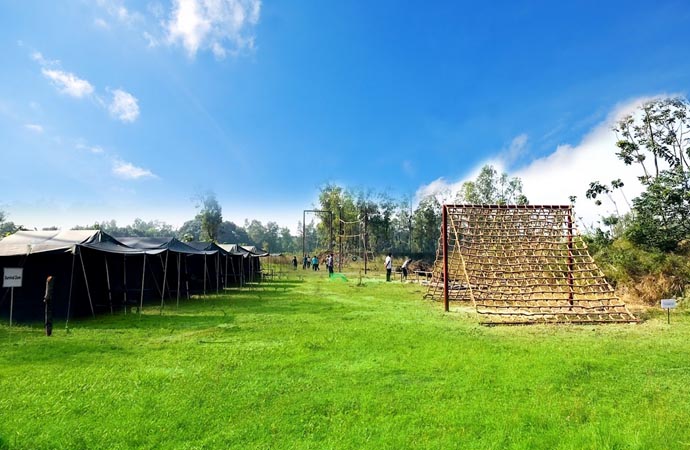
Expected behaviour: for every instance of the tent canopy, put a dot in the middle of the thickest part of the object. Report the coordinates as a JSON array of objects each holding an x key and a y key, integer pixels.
[
  {"x": 153, "y": 244},
  {"x": 30, "y": 242}
]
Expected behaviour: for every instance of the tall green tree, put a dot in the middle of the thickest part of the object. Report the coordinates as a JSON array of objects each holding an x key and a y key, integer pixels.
[
  {"x": 210, "y": 215},
  {"x": 490, "y": 187},
  {"x": 657, "y": 139},
  {"x": 7, "y": 227},
  {"x": 426, "y": 225}
]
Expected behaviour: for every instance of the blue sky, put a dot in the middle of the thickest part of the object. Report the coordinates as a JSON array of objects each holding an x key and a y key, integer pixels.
[{"x": 122, "y": 109}]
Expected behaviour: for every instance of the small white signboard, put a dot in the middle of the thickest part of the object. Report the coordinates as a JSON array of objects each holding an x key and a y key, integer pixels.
[
  {"x": 668, "y": 303},
  {"x": 12, "y": 277}
]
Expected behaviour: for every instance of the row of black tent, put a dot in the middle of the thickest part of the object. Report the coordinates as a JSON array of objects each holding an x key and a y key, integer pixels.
[{"x": 94, "y": 272}]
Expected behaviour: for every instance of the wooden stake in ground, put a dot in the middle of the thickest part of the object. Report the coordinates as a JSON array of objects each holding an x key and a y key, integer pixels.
[{"x": 48, "y": 300}]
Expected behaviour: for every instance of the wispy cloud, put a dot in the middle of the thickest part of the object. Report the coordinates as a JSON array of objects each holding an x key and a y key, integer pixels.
[
  {"x": 124, "y": 106},
  {"x": 118, "y": 11},
  {"x": 515, "y": 150},
  {"x": 39, "y": 58},
  {"x": 34, "y": 128},
  {"x": 129, "y": 171},
  {"x": 213, "y": 25},
  {"x": 151, "y": 41},
  {"x": 68, "y": 83},
  {"x": 567, "y": 171},
  {"x": 101, "y": 23},
  {"x": 90, "y": 148}
]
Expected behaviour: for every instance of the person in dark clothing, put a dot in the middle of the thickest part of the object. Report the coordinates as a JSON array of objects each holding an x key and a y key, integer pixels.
[{"x": 294, "y": 262}]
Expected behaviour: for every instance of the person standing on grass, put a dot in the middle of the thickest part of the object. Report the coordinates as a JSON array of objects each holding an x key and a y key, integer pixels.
[
  {"x": 389, "y": 266},
  {"x": 329, "y": 264},
  {"x": 294, "y": 262},
  {"x": 304, "y": 262},
  {"x": 404, "y": 268},
  {"x": 315, "y": 263}
]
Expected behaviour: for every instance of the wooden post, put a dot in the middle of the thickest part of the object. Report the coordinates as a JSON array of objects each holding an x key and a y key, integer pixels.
[
  {"x": 205, "y": 274},
  {"x": 444, "y": 234},
  {"x": 165, "y": 278},
  {"x": 124, "y": 280},
  {"x": 69, "y": 298},
  {"x": 341, "y": 231},
  {"x": 366, "y": 236},
  {"x": 107, "y": 279},
  {"x": 178, "y": 279},
  {"x": 86, "y": 281},
  {"x": 143, "y": 279},
  {"x": 571, "y": 262},
  {"x": 11, "y": 304}
]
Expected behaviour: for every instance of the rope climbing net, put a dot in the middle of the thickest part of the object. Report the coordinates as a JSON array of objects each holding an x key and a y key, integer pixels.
[
  {"x": 521, "y": 264},
  {"x": 353, "y": 242}
]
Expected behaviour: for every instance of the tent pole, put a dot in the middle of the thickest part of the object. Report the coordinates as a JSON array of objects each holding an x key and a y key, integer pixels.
[
  {"x": 178, "y": 280},
  {"x": 186, "y": 276},
  {"x": 69, "y": 298},
  {"x": 225, "y": 284},
  {"x": 205, "y": 273},
  {"x": 143, "y": 278},
  {"x": 165, "y": 277},
  {"x": 124, "y": 274},
  {"x": 86, "y": 281},
  {"x": 217, "y": 272},
  {"x": 107, "y": 279},
  {"x": 153, "y": 275}
]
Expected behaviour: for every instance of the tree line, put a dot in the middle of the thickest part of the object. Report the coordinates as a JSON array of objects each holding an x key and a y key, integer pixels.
[{"x": 389, "y": 224}]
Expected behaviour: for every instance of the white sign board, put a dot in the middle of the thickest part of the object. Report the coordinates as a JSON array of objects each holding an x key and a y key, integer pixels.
[
  {"x": 668, "y": 303},
  {"x": 12, "y": 277}
]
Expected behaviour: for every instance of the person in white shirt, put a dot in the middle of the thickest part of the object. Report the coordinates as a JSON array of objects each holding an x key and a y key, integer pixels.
[{"x": 389, "y": 267}]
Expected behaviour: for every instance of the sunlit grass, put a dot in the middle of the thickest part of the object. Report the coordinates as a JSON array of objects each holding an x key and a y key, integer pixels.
[{"x": 307, "y": 362}]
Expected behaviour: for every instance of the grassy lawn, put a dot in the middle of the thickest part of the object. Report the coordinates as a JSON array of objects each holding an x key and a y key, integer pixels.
[{"x": 314, "y": 363}]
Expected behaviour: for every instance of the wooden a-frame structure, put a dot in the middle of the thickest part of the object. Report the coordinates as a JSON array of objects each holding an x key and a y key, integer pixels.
[{"x": 521, "y": 264}]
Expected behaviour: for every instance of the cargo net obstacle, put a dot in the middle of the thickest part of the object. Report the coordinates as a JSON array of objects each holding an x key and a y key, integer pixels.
[{"x": 521, "y": 265}]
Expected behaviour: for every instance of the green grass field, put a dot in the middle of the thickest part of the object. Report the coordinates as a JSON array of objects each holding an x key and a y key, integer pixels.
[{"x": 314, "y": 363}]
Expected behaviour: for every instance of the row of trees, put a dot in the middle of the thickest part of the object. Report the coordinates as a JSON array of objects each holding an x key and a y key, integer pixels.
[
  {"x": 391, "y": 224},
  {"x": 379, "y": 223}
]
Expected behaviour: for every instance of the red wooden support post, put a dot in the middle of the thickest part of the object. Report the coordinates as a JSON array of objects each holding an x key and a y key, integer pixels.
[
  {"x": 444, "y": 234},
  {"x": 571, "y": 263}
]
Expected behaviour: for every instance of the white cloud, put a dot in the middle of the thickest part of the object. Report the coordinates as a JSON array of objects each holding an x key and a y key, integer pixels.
[
  {"x": 207, "y": 24},
  {"x": 129, "y": 171},
  {"x": 117, "y": 10},
  {"x": 567, "y": 171},
  {"x": 515, "y": 150},
  {"x": 218, "y": 50},
  {"x": 91, "y": 148},
  {"x": 124, "y": 106},
  {"x": 39, "y": 58},
  {"x": 68, "y": 83},
  {"x": 35, "y": 128},
  {"x": 100, "y": 23},
  {"x": 152, "y": 42}
]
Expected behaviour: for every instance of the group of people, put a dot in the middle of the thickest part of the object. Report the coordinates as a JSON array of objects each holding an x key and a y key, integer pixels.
[
  {"x": 389, "y": 267},
  {"x": 313, "y": 263}
]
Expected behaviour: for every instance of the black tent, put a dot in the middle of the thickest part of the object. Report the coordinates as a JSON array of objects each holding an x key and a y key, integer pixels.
[{"x": 67, "y": 256}]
